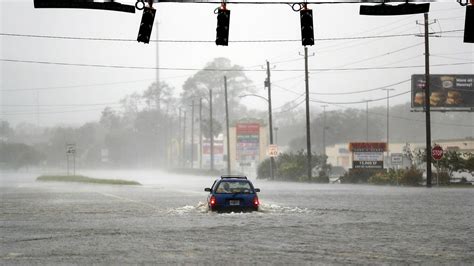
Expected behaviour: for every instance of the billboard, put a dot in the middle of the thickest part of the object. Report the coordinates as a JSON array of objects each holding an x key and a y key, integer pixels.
[
  {"x": 218, "y": 153},
  {"x": 447, "y": 92},
  {"x": 367, "y": 155},
  {"x": 248, "y": 142}
]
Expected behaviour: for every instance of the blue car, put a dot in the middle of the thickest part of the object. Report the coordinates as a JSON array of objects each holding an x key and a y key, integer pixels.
[{"x": 232, "y": 194}]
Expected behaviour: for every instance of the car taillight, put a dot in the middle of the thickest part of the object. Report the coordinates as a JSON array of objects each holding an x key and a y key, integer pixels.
[
  {"x": 256, "y": 202},
  {"x": 212, "y": 201}
]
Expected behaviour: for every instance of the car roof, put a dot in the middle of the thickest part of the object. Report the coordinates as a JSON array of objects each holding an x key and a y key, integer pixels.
[{"x": 233, "y": 177}]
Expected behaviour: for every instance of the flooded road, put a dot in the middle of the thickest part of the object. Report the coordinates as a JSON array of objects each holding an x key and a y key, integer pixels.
[{"x": 166, "y": 221}]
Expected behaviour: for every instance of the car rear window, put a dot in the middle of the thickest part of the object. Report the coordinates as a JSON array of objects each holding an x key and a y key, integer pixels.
[{"x": 228, "y": 187}]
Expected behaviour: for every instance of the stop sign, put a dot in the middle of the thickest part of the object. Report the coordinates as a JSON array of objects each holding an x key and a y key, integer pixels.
[{"x": 437, "y": 152}]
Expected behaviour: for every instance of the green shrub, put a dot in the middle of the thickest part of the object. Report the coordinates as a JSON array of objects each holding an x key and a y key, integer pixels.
[
  {"x": 84, "y": 179},
  {"x": 380, "y": 179},
  {"x": 355, "y": 176},
  {"x": 411, "y": 177},
  {"x": 293, "y": 167},
  {"x": 442, "y": 177}
]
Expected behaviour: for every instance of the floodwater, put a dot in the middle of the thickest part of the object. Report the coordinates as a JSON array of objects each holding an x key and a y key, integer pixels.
[{"x": 166, "y": 221}]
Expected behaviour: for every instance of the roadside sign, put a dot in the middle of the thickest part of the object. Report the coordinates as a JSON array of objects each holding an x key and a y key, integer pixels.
[
  {"x": 396, "y": 158},
  {"x": 437, "y": 152},
  {"x": 71, "y": 148},
  {"x": 272, "y": 150},
  {"x": 367, "y": 155}
]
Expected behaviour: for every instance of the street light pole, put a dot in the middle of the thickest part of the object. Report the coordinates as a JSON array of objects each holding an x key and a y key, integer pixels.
[
  {"x": 184, "y": 141},
  {"x": 270, "y": 126},
  {"x": 211, "y": 130},
  {"x": 276, "y": 135},
  {"x": 200, "y": 133},
  {"x": 180, "y": 157},
  {"x": 192, "y": 134},
  {"x": 227, "y": 125}
]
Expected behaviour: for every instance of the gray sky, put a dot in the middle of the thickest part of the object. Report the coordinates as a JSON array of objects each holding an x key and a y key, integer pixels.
[{"x": 198, "y": 22}]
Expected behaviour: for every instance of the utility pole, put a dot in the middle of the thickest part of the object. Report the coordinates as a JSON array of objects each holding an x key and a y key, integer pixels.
[
  {"x": 184, "y": 141},
  {"x": 37, "y": 110},
  {"x": 211, "y": 131},
  {"x": 367, "y": 120},
  {"x": 157, "y": 54},
  {"x": 427, "y": 104},
  {"x": 388, "y": 119},
  {"x": 227, "y": 125},
  {"x": 324, "y": 129},
  {"x": 180, "y": 141},
  {"x": 169, "y": 144},
  {"x": 200, "y": 133},
  {"x": 308, "y": 132},
  {"x": 270, "y": 122},
  {"x": 192, "y": 134}
]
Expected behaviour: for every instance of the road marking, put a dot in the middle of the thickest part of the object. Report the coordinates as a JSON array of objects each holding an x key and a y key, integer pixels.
[{"x": 127, "y": 199}]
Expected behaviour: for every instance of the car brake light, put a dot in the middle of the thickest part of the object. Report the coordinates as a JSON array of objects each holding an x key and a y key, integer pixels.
[
  {"x": 256, "y": 202},
  {"x": 212, "y": 201}
]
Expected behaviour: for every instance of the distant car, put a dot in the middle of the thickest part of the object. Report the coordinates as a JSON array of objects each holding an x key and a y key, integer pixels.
[
  {"x": 463, "y": 175},
  {"x": 232, "y": 193}
]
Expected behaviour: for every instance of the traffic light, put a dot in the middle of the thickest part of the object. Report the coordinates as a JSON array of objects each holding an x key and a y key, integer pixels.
[
  {"x": 146, "y": 25},
  {"x": 307, "y": 34},
  {"x": 469, "y": 25},
  {"x": 222, "y": 30},
  {"x": 394, "y": 10}
]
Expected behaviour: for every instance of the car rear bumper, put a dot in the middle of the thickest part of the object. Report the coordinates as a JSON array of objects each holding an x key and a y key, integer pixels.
[{"x": 233, "y": 209}]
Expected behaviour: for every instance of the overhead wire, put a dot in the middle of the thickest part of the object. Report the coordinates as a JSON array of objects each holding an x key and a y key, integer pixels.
[
  {"x": 358, "y": 102},
  {"x": 407, "y": 118},
  {"x": 75, "y": 86},
  {"x": 361, "y": 91},
  {"x": 211, "y": 41},
  {"x": 224, "y": 70}
]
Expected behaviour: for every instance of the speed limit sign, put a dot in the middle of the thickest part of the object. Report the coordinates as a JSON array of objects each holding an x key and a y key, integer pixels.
[
  {"x": 273, "y": 150},
  {"x": 437, "y": 152}
]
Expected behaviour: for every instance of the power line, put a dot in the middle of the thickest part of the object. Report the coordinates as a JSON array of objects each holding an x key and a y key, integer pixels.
[
  {"x": 75, "y": 86},
  {"x": 358, "y": 102},
  {"x": 59, "y": 105},
  {"x": 225, "y": 70},
  {"x": 385, "y": 54},
  {"x": 53, "y": 112},
  {"x": 378, "y": 56},
  {"x": 409, "y": 119},
  {"x": 386, "y": 68},
  {"x": 422, "y": 120},
  {"x": 294, "y": 100},
  {"x": 360, "y": 91},
  {"x": 291, "y": 108},
  {"x": 210, "y": 41}
]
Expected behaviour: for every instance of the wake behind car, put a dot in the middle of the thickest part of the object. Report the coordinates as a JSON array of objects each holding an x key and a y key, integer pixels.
[{"x": 232, "y": 193}]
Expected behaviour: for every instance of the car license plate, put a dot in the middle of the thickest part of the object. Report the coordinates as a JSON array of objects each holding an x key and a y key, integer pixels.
[{"x": 234, "y": 202}]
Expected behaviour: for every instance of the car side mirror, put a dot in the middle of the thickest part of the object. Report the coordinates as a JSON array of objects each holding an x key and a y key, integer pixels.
[
  {"x": 257, "y": 190},
  {"x": 207, "y": 189}
]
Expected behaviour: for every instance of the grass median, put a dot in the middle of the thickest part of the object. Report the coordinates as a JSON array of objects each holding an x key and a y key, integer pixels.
[{"x": 85, "y": 179}]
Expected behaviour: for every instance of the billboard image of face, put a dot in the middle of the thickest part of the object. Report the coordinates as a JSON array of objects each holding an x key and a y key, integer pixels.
[{"x": 447, "y": 92}]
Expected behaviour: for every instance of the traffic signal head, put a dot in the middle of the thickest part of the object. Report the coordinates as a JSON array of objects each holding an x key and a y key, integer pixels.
[
  {"x": 469, "y": 24},
  {"x": 222, "y": 30},
  {"x": 146, "y": 25},
  {"x": 307, "y": 33}
]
